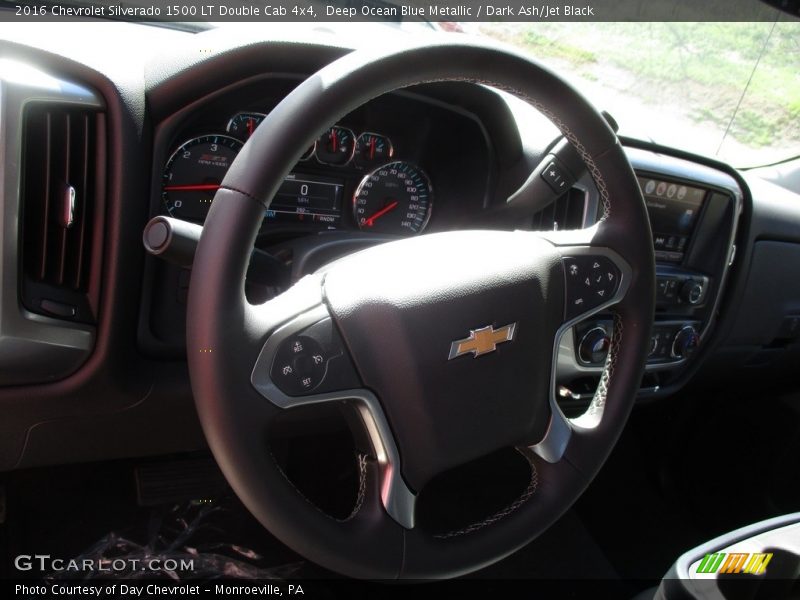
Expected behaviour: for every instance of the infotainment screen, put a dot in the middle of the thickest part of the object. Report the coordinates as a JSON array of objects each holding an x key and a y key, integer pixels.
[
  {"x": 308, "y": 199},
  {"x": 673, "y": 210}
]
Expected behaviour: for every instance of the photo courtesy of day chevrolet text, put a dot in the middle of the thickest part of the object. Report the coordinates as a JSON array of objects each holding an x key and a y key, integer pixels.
[{"x": 140, "y": 590}]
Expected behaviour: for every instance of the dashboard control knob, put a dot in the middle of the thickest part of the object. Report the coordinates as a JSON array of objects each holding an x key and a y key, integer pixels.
[
  {"x": 594, "y": 346},
  {"x": 685, "y": 342},
  {"x": 691, "y": 291}
]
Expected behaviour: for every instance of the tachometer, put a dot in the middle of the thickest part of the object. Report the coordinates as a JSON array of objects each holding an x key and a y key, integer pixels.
[
  {"x": 395, "y": 198},
  {"x": 193, "y": 174}
]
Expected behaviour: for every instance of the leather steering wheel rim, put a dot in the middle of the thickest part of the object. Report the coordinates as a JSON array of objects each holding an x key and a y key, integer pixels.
[{"x": 225, "y": 334}]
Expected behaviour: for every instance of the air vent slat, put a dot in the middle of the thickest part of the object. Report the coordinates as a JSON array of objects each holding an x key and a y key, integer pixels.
[
  {"x": 61, "y": 184},
  {"x": 565, "y": 212},
  {"x": 45, "y": 212},
  {"x": 576, "y": 208},
  {"x": 537, "y": 221},
  {"x": 60, "y": 181},
  {"x": 549, "y": 215},
  {"x": 82, "y": 201}
]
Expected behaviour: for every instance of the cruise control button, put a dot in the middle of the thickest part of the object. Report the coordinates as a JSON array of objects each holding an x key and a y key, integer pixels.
[
  {"x": 294, "y": 370},
  {"x": 313, "y": 361}
]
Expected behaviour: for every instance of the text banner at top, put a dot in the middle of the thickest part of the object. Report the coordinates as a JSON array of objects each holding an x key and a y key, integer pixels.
[{"x": 397, "y": 11}]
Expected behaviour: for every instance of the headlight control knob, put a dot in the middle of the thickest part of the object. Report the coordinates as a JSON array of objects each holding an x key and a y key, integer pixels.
[
  {"x": 685, "y": 342},
  {"x": 594, "y": 346},
  {"x": 692, "y": 291}
]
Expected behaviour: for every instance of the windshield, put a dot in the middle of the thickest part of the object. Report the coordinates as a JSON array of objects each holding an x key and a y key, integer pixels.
[
  {"x": 727, "y": 90},
  {"x": 730, "y": 90},
  {"x": 724, "y": 89}
]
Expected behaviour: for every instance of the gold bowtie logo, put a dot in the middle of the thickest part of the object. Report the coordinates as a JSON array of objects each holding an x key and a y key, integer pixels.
[{"x": 482, "y": 341}]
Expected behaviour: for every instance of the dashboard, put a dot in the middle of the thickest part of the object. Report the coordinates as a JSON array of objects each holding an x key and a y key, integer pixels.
[
  {"x": 405, "y": 165},
  {"x": 393, "y": 196},
  {"x": 398, "y": 166},
  {"x": 98, "y": 345}
]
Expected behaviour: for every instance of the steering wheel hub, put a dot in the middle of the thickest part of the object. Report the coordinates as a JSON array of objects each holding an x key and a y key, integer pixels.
[{"x": 401, "y": 305}]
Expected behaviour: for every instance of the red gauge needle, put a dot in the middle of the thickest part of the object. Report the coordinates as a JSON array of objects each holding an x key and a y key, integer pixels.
[
  {"x": 389, "y": 207},
  {"x": 250, "y": 127},
  {"x": 372, "y": 148},
  {"x": 333, "y": 139},
  {"x": 202, "y": 187}
]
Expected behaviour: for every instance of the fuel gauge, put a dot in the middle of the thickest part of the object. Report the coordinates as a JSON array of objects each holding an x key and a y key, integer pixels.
[
  {"x": 335, "y": 146},
  {"x": 243, "y": 124},
  {"x": 372, "y": 149}
]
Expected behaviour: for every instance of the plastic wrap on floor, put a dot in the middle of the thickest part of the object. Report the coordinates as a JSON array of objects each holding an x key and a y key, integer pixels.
[{"x": 184, "y": 542}]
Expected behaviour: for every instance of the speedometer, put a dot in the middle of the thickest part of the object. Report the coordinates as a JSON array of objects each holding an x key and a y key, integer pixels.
[{"x": 396, "y": 198}]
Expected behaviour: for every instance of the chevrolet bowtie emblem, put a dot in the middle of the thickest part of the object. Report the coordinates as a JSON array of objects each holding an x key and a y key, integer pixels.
[{"x": 482, "y": 341}]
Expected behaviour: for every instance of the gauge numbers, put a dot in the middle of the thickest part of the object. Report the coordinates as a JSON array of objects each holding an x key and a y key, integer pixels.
[
  {"x": 193, "y": 174},
  {"x": 395, "y": 198}
]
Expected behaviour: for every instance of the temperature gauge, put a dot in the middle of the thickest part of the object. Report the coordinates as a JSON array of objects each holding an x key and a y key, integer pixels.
[
  {"x": 243, "y": 124},
  {"x": 372, "y": 149},
  {"x": 336, "y": 146}
]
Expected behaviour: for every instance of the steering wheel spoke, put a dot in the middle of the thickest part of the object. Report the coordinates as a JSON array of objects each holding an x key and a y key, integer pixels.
[
  {"x": 596, "y": 278},
  {"x": 305, "y": 362}
]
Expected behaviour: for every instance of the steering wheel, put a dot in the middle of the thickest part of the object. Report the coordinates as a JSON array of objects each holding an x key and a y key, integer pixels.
[{"x": 445, "y": 344}]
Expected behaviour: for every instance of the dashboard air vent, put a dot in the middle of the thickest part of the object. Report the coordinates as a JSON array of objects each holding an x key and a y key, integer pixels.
[
  {"x": 565, "y": 212},
  {"x": 63, "y": 166}
]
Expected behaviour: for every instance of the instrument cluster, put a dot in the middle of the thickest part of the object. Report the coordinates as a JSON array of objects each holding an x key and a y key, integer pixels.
[{"x": 344, "y": 180}]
